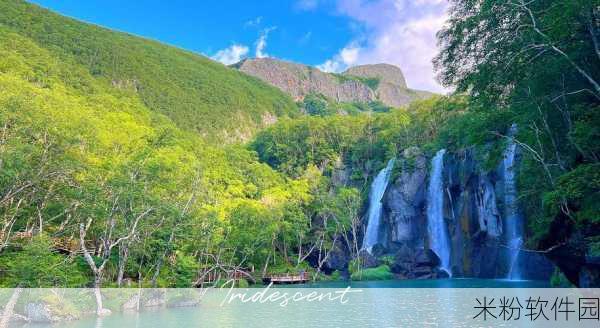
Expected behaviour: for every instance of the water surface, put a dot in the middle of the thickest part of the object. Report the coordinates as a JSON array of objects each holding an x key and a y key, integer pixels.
[{"x": 394, "y": 303}]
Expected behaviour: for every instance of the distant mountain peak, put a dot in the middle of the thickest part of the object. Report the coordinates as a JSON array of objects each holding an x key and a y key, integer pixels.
[
  {"x": 363, "y": 83},
  {"x": 387, "y": 73}
]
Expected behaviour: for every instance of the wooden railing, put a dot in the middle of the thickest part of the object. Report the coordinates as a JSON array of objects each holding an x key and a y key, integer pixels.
[{"x": 287, "y": 278}]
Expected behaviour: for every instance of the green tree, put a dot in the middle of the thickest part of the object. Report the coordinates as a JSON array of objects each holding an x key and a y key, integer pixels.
[
  {"x": 37, "y": 265},
  {"x": 533, "y": 63}
]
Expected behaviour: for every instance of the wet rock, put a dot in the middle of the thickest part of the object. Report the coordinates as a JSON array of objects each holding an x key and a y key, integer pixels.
[
  {"x": 535, "y": 266},
  {"x": 415, "y": 263},
  {"x": 580, "y": 269},
  {"x": 404, "y": 201},
  {"x": 489, "y": 216},
  {"x": 368, "y": 260},
  {"x": 423, "y": 272},
  {"x": 41, "y": 312},
  {"x": 339, "y": 258},
  {"x": 441, "y": 274},
  {"x": 472, "y": 212},
  {"x": 155, "y": 299},
  {"x": 132, "y": 304}
]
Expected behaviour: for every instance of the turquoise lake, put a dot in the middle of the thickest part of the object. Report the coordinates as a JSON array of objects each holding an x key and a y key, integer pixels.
[{"x": 395, "y": 303}]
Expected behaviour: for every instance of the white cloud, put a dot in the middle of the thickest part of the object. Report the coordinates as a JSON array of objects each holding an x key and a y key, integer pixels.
[
  {"x": 348, "y": 56},
  {"x": 330, "y": 66},
  {"x": 261, "y": 43},
  {"x": 231, "y": 55},
  {"x": 399, "y": 32}
]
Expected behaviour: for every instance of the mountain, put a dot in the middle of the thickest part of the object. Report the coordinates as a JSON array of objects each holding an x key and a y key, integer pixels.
[
  {"x": 391, "y": 88},
  {"x": 198, "y": 94},
  {"x": 363, "y": 83}
]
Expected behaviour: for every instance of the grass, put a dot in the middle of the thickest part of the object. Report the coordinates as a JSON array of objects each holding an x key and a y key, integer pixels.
[{"x": 381, "y": 272}]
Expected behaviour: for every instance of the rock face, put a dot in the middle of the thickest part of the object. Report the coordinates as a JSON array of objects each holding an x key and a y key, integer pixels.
[
  {"x": 417, "y": 263},
  {"x": 300, "y": 80},
  {"x": 391, "y": 87},
  {"x": 404, "y": 202},
  {"x": 472, "y": 212},
  {"x": 571, "y": 256},
  {"x": 386, "y": 73}
]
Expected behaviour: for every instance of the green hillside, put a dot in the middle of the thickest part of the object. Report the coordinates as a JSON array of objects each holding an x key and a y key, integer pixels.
[
  {"x": 84, "y": 155},
  {"x": 79, "y": 154},
  {"x": 197, "y": 93},
  {"x": 74, "y": 150},
  {"x": 107, "y": 138}
]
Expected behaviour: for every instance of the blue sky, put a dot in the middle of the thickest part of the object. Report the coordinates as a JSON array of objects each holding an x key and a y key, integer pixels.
[{"x": 329, "y": 34}]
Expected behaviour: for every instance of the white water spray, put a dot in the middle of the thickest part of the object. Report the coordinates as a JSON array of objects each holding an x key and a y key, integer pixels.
[
  {"x": 375, "y": 206},
  {"x": 436, "y": 225},
  {"x": 514, "y": 233}
]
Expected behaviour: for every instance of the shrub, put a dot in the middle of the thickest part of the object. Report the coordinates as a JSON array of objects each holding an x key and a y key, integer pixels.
[
  {"x": 37, "y": 265},
  {"x": 381, "y": 272}
]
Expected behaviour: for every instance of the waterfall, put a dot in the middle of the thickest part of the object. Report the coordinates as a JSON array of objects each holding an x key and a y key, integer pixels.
[
  {"x": 375, "y": 207},
  {"x": 436, "y": 226},
  {"x": 514, "y": 233}
]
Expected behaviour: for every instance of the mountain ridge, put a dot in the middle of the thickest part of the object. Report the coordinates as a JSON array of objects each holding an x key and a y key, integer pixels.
[
  {"x": 196, "y": 93},
  {"x": 363, "y": 83}
]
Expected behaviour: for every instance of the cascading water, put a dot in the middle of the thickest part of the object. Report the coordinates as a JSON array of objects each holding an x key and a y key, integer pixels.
[
  {"x": 514, "y": 231},
  {"x": 375, "y": 207},
  {"x": 436, "y": 226}
]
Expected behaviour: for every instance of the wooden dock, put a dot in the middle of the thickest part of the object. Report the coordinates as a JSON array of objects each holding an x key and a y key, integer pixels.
[{"x": 300, "y": 278}]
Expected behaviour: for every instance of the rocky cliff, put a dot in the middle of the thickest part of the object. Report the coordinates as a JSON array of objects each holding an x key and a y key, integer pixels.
[
  {"x": 364, "y": 83},
  {"x": 389, "y": 83},
  {"x": 474, "y": 215}
]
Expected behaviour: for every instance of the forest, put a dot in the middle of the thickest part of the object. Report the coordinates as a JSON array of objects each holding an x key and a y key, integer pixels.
[{"x": 124, "y": 162}]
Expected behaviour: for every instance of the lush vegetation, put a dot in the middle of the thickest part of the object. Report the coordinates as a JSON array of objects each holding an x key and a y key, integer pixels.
[
  {"x": 196, "y": 93},
  {"x": 94, "y": 165},
  {"x": 381, "y": 272},
  {"x": 111, "y": 173},
  {"x": 114, "y": 191},
  {"x": 107, "y": 190},
  {"x": 536, "y": 64},
  {"x": 320, "y": 105}
]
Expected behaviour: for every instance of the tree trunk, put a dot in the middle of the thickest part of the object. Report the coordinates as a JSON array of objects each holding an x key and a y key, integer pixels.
[
  {"x": 264, "y": 271},
  {"x": 162, "y": 258},
  {"x": 100, "y": 310},
  {"x": 123, "y": 256},
  {"x": 157, "y": 271}
]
